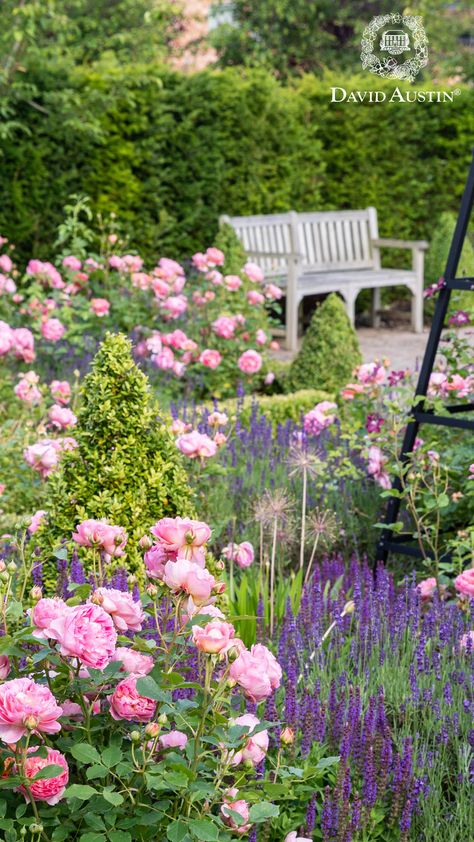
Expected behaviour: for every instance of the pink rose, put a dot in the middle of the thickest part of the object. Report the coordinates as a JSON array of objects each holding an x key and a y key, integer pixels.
[
  {"x": 293, "y": 837},
  {"x": 42, "y": 456},
  {"x": 52, "y": 329},
  {"x": 36, "y": 520},
  {"x": 256, "y": 746},
  {"x": 6, "y": 338},
  {"x": 243, "y": 554},
  {"x": 464, "y": 583},
  {"x": 210, "y": 358},
  {"x": 133, "y": 661},
  {"x": 371, "y": 374},
  {"x": 272, "y": 292},
  {"x": 213, "y": 637},
  {"x": 200, "y": 261},
  {"x": 184, "y": 536},
  {"x": 174, "y": 739},
  {"x": 26, "y": 706},
  {"x": 261, "y": 337},
  {"x": 71, "y": 262},
  {"x": 86, "y": 632},
  {"x": 426, "y": 588},
  {"x": 254, "y": 297},
  {"x": 257, "y": 672},
  {"x": 232, "y": 282},
  {"x": 60, "y": 391},
  {"x": 196, "y": 445},
  {"x": 46, "y": 272},
  {"x": 27, "y": 389},
  {"x": 101, "y": 535},
  {"x": 4, "y": 667},
  {"x": 126, "y": 702},
  {"x": 50, "y": 790},
  {"x": 217, "y": 419},
  {"x": 6, "y": 264},
  {"x": 100, "y": 306},
  {"x": 240, "y": 807},
  {"x": 220, "y": 439},
  {"x": 215, "y": 257},
  {"x": 24, "y": 344},
  {"x": 62, "y": 417},
  {"x": 126, "y": 613},
  {"x": 164, "y": 359},
  {"x": 174, "y": 306},
  {"x": 155, "y": 559},
  {"x": 44, "y": 613},
  {"x": 253, "y": 272},
  {"x": 184, "y": 575},
  {"x": 375, "y": 467},
  {"x": 351, "y": 390},
  {"x": 250, "y": 362},
  {"x": 319, "y": 418},
  {"x": 224, "y": 327}
]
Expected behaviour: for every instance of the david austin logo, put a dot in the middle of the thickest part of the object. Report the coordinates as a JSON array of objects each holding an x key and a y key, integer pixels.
[{"x": 395, "y": 46}]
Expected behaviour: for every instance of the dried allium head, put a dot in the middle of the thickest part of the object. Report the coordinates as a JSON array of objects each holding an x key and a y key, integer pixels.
[
  {"x": 323, "y": 525},
  {"x": 274, "y": 505},
  {"x": 301, "y": 460}
]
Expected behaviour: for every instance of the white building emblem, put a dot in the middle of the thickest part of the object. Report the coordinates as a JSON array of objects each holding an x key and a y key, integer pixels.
[{"x": 399, "y": 34}]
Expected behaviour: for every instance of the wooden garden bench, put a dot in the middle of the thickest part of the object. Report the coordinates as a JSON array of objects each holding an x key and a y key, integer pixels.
[{"x": 334, "y": 251}]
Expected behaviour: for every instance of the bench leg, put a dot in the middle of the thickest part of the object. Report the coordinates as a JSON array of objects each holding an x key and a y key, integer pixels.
[
  {"x": 349, "y": 297},
  {"x": 376, "y": 304},
  {"x": 292, "y": 309},
  {"x": 418, "y": 298}
]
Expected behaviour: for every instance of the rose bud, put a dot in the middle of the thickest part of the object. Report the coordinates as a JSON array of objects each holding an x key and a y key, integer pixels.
[{"x": 287, "y": 736}]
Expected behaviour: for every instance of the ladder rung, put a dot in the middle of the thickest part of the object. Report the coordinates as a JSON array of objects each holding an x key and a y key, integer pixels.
[
  {"x": 443, "y": 420},
  {"x": 460, "y": 283}
]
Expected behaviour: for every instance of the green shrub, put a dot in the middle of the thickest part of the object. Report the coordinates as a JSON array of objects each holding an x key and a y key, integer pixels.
[
  {"x": 126, "y": 467},
  {"x": 278, "y": 408},
  {"x": 437, "y": 255},
  {"x": 235, "y": 257},
  {"x": 329, "y": 352}
]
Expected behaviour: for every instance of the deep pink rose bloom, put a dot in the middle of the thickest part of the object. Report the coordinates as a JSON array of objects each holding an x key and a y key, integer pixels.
[
  {"x": 155, "y": 559},
  {"x": 100, "y": 306},
  {"x": 60, "y": 391},
  {"x": 4, "y": 667},
  {"x": 42, "y": 456},
  {"x": 62, "y": 417},
  {"x": 250, "y": 362},
  {"x": 210, "y": 358},
  {"x": 126, "y": 702},
  {"x": 24, "y": 344},
  {"x": 253, "y": 272},
  {"x": 184, "y": 575},
  {"x": 53, "y": 330},
  {"x": 164, "y": 359},
  {"x": 464, "y": 583},
  {"x": 27, "y": 390},
  {"x": 71, "y": 262},
  {"x": 133, "y": 661},
  {"x": 174, "y": 739},
  {"x": 102, "y": 535},
  {"x": 426, "y": 588},
  {"x": 6, "y": 264},
  {"x": 183, "y": 535},
  {"x": 174, "y": 306},
  {"x": 241, "y": 807},
  {"x": 196, "y": 445},
  {"x": 126, "y": 613},
  {"x": 86, "y": 632},
  {"x": 243, "y": 554},
  {"x": 256, "y": 746},
  {"x": 214, "y": 637},
  {"x": 319, "y": 418},
  {"x": 43, "y": 613},
  {"x": 36, "y": 521},
  {"x": 26, "y": 706},
  {"x": 50, "y": 790}
]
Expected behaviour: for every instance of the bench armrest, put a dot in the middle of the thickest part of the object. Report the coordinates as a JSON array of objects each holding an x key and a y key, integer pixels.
[{"x": 384, "y": 242}]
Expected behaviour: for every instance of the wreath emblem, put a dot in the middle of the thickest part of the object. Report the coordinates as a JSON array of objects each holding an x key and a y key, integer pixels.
[{"x": 388, "y": 66}]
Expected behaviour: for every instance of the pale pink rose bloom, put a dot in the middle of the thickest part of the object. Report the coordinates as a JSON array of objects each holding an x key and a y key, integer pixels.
[
  {"x": 243, "y": 554},
  {"x": 464, "y": 583},
  {"x": 351, "y": 390},
  {"x": 140, "y": 280},
  {"x": 62, "y": 417},
  {"x": 132, "y": 262},
  {"x": 210, "y": 358},
  {"x": 255, "y": 297},
  {"x": 232, "y": 282},
  {"x": 4, "y": 667},
  {"x": 72, "y": 710},
  {"x": 205, "y": 610},
  {"x": 164, "y": 360},
  {"x": 6, "y": 264},
  {"x": 437, "y": 383},
  {"x": 220, "y": 439},
  {"x": 184, "y": 575},
  {"x": 36, "y": 520},
  {"x": 178, "y": 368},
  {"x": 177, "y": 339},
  {"x": 247, "y": 672},
  {"x": 126, "y": 702},
  {"x": 261, "y": 337},
  {"x": 241, "y": 807},
  {"x": 53, "y": 330},
  {"x": 8, "y": 285},
  {"x": 272, "y": 292},
  {"x": 26, "y": 706},
  {"x": 133, "y": 662},
  {"x": 375, "y": 467},
  {"x": 214, "y": 277},
  {"x": 155, "y": 559},
  {"x": 293, "y": 837},
  {"x": 27, "y": 389},
  {"x": 50, "y": 790},
  {"x": 66, "y": 443},
  {"x": 253, "y": 272},
  {"x": 160, "y": 287},
  {"x": 42, "y": 456},
  {"x": 86, "y": 632},
  {"x": 126, "y": 613},
  {"x": 174, "y": 739},
  {"x": 200, "y": 261},
  {"x": 103, "y": 535},
  {"x": 24, "y": 344},
  {"x": 426, "y": 588},
  {"x": 256, "y": 746},
  {"x": 6, "y": 338},
  {"x": 178, "y": 427},
  {"x": 250, "y": 362},
  {"x": 224, "y": 327},
  {"x": 116, "y": 262},
  {"x": 213, "y": 637},
  {"x": 71, "y": 262},
  {"x": 467, "y": 641},
  {"x": 215, "y": 257},
  {"x": 269, "y": 663},
  {"x": 371, "y": 374},
  {"x": 43, "y": 613},
  {"x": 46, "y": 272},
  {"x": 269, "y": 378},
  {"x": 320, "y": 417},
  {"x": 154, "y": 343},
  {"x": 100, "y": 306},
  {"x": 461, "y": 385},
  {"x": 196, "y": 445},
  {"x": 60, "y": 391},
  {"x": 184, "y": 536},
  {"x": 174, "y": 306},
  {"x": 170, "y": 269},
  {"x": 217, "y": 419}
]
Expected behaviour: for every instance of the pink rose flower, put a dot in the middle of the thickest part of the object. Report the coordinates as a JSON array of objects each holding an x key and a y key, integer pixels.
[
  {"x": 319, "y": 418},
  {"x": 53, "y": 330},
  {"x": 86, "y": 632},
  {"x": 36, "y": 520},
  {"x": 6, "y": 264},
  {"x": 71, "y": 262},
  {"x": 196, "y": 445},
  {"x": 253, "y": 272},
  {"x": 60, "y": 391},
  {"x": 215, "y": 257},
  {"x": 126, "y": 613},
  {"x": 174, "y": 306},
  {"x": 243, "y": 554},
  {"x": 232, "y": 282},
  {"x": 164, "y": 359},
  {"x": 6, "y": 338},
  {"x": 46, "y": 272},
  {"x": 174, "y": 739},
  {"x": 217, "y": 419},
  {"x": 4, "y": 667},
  {"x": 293, "y": 837},
  {"x": 256, "y": 746},
  {"x": 464, "y": 583},
  {"x": 255, "y": 297},
  {"x": 133, "y": 661},
  {"x": 24, "y": 344},
  {"x": 126, "y": 702},
  {"x": 261, "y": 337},
  {"x": 184, "y": 536},
  {"x": 272, "y": 292},
  {"x": 200, "y": 261},
  {"x": 351, "y": 390},
  {"x": 250, "y": 362},
  {"x": 224, "y": 327},
  {"x": 465, "y": 642},
  {"x": 426, "y": 588},
  {"x": 155, "y": 559},
  {"x": 371, "y": 374},
  {"x": 27, "y": 389},
  {"x": 257, "y": 671},
  {"x": 375, "y": 467},
  {"x": 184, "y": 575},
  {"x": 43, "y": 613},
  {"x": 240, "y": 807},
  {"x": 213, "y": 637},
  {"x": 62, "y": 417},
  {"x": 100, "y": 306},
  {"x": 210, "y": 358},
  {"x": 42, "y": 456},
  {"x": 50, "y": 790},
  {"x": 25, "y": 707},
  {"x": 101, "y": 535}
]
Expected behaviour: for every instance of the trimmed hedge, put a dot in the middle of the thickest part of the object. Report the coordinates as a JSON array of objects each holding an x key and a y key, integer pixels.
[
  {"x": 168, "y": 153},
  {"x": 277, "y": 408}
]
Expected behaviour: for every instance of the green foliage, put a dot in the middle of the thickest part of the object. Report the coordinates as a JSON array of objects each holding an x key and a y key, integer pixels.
[
  {"x": 277, "y": 408},
  {"x": 228, "y": 242},
  {"x": 437, "y": 255},
  {"x": 329, "y": 352},
  {"x": 126, "y": 467}
]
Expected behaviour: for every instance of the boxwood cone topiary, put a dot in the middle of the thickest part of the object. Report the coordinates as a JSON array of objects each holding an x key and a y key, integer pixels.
[
  {"x": 126, "y": 467},
  {"x": 329, "y": 352}
]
